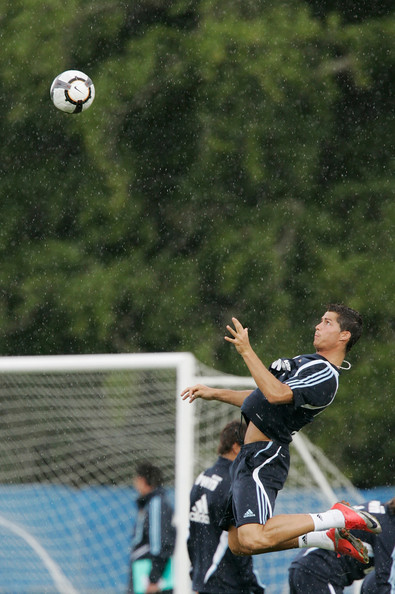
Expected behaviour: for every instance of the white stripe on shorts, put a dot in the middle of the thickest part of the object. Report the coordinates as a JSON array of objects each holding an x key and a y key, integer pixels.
[{"x": 264, "y": 506}]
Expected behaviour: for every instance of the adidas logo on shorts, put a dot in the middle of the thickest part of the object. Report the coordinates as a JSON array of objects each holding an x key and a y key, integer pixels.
[{"x": 249, "y": 514}]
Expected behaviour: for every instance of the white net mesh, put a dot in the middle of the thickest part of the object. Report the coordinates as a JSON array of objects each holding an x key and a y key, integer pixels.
[
  {"x": 85, "y": 427},
  {"x": 70, "y": 441}
]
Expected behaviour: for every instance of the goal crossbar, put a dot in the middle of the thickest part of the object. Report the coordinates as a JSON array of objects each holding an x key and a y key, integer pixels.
[{"x": 184, "y": 363}]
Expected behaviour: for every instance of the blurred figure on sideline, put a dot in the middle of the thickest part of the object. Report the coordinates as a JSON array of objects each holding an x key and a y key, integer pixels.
[{"x": 154, "y": 535}]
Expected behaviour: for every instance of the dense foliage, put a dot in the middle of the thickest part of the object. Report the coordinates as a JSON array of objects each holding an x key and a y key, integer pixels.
[{"x": 237, "y": 160}]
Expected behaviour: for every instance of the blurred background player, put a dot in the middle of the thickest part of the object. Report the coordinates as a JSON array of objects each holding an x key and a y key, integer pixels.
[
  {"x": 215, "y": 570},
  {"x": 318, "y": 570},
  {"x": 154, "y": 535}
]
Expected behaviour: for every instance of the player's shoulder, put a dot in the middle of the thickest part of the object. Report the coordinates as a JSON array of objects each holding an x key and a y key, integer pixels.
[
  {"x": 221, "y": 466},
  {"x": 310, "y": 358},
  {"x": 215, "y": 477},
  {"x": 313, "y": 363},
  {"x": 159, "y": 498}
]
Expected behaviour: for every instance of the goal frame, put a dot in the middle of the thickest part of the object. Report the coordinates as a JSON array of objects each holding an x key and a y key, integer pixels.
[{"x": 185, "y": 366}]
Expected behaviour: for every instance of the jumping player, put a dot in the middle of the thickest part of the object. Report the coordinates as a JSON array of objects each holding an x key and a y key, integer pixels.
[
  {"x": 287, "y": 397},
  {"x": 154, "y": 535}
]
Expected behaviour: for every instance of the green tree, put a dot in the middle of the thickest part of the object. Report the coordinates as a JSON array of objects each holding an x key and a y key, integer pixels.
[{"x": 237, "y": 160}]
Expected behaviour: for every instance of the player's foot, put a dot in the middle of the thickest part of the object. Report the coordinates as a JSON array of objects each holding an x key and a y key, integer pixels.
[
  {"x": 357, "y": 520},
  {"x": 346, "y": 544}
]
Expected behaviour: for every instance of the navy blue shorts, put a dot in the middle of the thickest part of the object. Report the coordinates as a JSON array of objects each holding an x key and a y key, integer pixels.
[{"x": 258, "y": 473}]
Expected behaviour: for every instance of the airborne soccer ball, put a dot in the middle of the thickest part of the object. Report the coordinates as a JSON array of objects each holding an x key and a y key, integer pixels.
[{"x": 72, "y": 91}]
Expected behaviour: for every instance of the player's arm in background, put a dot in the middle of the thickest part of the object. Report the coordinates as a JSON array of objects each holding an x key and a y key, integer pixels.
[
  {"x": 275, "y": 391},
  {"x": 235, "y": 397}
]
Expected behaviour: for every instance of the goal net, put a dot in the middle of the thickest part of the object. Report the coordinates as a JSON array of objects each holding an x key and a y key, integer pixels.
[{"x": 73, "y": 428}]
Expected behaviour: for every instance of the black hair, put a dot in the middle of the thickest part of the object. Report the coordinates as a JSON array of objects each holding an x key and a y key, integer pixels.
[
  {"x": 152, "y": 474},
  {"x": 348, "y": 319},
  {"x": 232, "y": 433}
]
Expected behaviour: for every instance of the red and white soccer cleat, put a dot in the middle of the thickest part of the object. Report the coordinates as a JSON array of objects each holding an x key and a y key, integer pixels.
[
  {"x": 346, "y": 544},
  {"x": 358, "y": 520}
]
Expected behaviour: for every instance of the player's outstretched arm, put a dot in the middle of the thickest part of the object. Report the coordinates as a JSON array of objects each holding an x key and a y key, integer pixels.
[
  {"x": 275, "y": 391},
  {"x": 235, "y": 397}
]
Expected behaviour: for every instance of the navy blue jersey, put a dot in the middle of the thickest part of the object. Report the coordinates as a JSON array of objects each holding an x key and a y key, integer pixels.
[
  {"x": 313, "y": 381},
  {"x": 154, "y": 535},
  {"x": 343, "y": 570},
  {"x": 214, "y": 567}
]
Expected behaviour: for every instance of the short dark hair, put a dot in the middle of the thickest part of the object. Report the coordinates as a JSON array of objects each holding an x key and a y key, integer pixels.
[
  {"x": 348, "y": 319},
  {"x": 232, "y": 433},
  {"x": 152, "y": 474}
]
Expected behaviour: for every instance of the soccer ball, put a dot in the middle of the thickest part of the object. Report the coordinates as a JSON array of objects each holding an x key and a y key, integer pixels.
[{"x": 72, "y": 91}]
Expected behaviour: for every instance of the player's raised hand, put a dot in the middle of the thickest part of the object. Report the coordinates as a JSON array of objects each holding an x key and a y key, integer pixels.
[
  {"x": 239, "y": 336},
  {"x": 198, "y": 391}
]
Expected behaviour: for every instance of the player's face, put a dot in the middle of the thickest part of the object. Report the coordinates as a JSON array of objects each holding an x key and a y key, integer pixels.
[
  {"x": 327, "y": 332},
  {"x": 140, "y": 484}
]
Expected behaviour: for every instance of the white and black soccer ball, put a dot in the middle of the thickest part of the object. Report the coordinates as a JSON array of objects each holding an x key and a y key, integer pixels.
[{"x": 72, "y": 91}]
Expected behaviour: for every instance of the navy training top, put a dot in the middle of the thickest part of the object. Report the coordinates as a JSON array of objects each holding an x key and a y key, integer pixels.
[{"x": 313, "y": 381}]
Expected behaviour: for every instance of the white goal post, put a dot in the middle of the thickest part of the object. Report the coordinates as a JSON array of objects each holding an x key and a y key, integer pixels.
[{"x": 73, "y": 427}]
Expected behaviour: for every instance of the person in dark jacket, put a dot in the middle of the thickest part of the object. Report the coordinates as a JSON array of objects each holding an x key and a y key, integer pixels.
[
  {"x": 154, "y": 535},
  {"x": 214, "y": 568}
]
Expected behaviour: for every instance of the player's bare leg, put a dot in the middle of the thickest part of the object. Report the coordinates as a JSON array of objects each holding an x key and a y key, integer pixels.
[
  {"x": 237, "y": 549},
  {"x": 275, "y": 535},
  {"x": 285, "y": 532}
]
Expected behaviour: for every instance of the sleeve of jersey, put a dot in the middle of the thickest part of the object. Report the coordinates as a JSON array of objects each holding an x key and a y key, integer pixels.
[
  {"x": 314, "y": 385},
  {"x": 161, "y": 537}
]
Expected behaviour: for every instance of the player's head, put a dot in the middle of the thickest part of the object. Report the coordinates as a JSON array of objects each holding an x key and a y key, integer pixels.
[
  {"x": 349, "y": 320},
  {"x": 232, "y": 433},
  {"x": 152, "y": 475}
]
